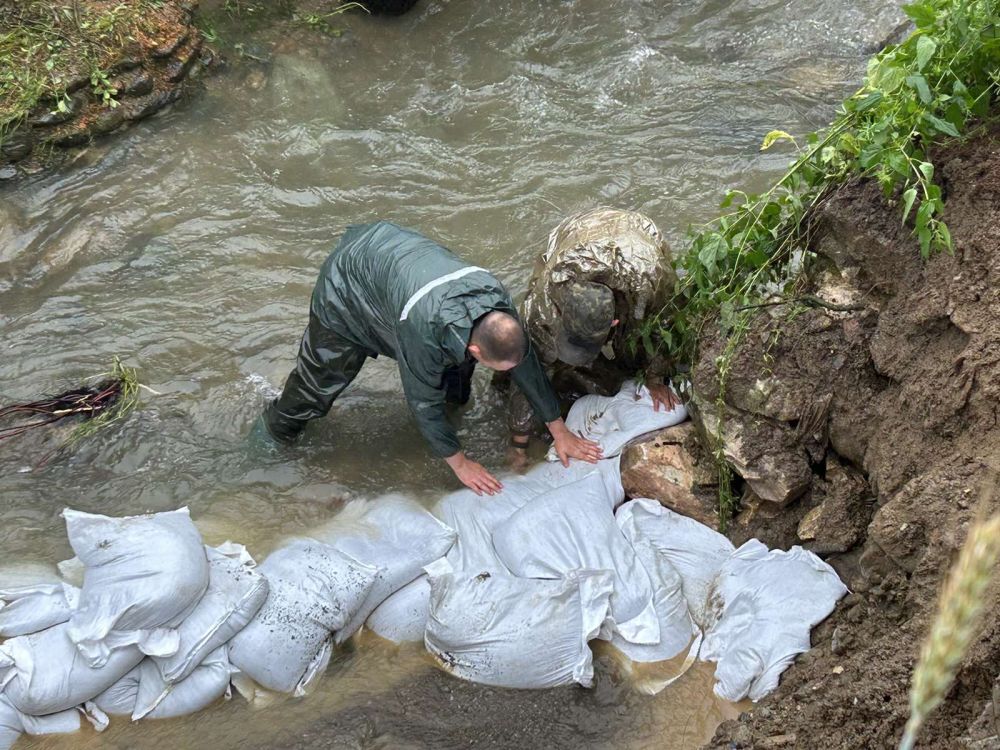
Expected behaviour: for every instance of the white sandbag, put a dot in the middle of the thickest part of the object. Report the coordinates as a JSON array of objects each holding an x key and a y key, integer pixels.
[
  {"x": 13, "y": 723},
  {"x": 516, "y": 632},
  {"x": 314, "y": 590},
  {"x": 158, "y": 699},
  {"x": 694, "y": 550},
  {"x": 143, "y": 575},
  {"x": 394, "y": 534},
  {"x": 236, "y": 591},
  {"x": 119, "y": 699},
  {"x": 677, "y": 630},
  {"x": 474, "y": 518},
  {"x": 14, "y": 575},
  {"x": 573, "y": 528},
  {"x": 402, "y": 618},
  {"x": 143, "y": 693},
  {"x": 44, "y": 672},
  {"x": 553, "y": 475},
  {"x": 11, "y": 727},
  {"x": 614, "y": 421},
  {"x": 768, "y": 602},
  {"x": 29, "y": 609}
]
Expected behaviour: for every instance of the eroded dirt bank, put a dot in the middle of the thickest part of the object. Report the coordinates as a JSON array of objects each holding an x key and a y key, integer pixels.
[{"x": 872, "y": 433}]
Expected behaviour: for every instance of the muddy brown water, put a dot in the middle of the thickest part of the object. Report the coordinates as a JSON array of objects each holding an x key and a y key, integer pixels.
[{"x": 189, "y": 246}]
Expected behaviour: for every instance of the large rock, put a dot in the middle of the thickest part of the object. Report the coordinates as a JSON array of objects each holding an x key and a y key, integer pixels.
[
  {"x": 767, "y": 454},
  {"x": 843, "y": 509},
  {"x": 771, "y": 524},
  {"x": 672, "y": 469}
]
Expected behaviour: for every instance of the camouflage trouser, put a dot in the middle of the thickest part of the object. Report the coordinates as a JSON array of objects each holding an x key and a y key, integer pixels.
[{"x": 521, "y": 417}]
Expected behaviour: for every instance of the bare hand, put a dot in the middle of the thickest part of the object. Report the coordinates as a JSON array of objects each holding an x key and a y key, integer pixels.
[
  {"x": 567, "y": 445},
  {"x": 473, "y": 475},
  {"x": 663, "y": 396}
]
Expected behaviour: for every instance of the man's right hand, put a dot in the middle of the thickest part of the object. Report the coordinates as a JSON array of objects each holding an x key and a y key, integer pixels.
[{"x": 473, "y": 475}]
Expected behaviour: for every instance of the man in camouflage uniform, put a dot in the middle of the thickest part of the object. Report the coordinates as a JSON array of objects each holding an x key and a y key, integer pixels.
[{"x": 602, "y": 273}]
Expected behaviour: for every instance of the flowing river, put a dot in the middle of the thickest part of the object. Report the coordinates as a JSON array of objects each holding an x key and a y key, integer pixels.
[{"x": 189, "y": 245}]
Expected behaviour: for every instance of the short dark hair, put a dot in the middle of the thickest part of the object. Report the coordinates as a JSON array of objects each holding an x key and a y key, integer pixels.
[{"x": 500, "y": 336}]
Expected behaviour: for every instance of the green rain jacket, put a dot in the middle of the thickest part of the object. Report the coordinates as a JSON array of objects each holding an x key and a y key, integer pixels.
[{"x": 402, "y": 295}]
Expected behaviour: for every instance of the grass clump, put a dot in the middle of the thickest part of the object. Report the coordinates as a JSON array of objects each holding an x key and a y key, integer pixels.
[
  {"x": 114, "y": 396},
  {"x": 47, "y": 47},
  {"x": 321, "y": 21}
]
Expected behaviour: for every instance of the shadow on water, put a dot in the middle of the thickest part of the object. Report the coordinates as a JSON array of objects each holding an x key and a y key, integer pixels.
[{"x": 189, "y": 247}]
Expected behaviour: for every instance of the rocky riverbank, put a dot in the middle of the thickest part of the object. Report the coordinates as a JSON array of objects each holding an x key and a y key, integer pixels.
[
  {"x": 862, "y": 423},
  {"x": 84, "y": 74}
]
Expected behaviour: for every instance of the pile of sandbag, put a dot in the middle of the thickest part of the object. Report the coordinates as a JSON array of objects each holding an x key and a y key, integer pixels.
[
  {"x": 508, "y": 590},
  {"x": 556, "y": 560},
  {"x": 160, "y": 626}
]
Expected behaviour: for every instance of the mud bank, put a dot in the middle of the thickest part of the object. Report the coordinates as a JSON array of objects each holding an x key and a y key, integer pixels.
[
  {"x": 868, "y": 435},
  {"x": 108, "y": 66}
]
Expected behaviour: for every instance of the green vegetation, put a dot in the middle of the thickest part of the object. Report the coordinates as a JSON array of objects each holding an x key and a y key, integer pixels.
[
  {"x": 321, "y": 21},
  {"x": 937, "y": 82},
  {"x": 114, "y": 397},
  {"x": 46, "y": 47},
  {"x": 235, "y": 17}
]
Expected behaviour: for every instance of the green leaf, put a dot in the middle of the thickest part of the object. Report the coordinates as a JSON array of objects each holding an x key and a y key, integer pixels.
[
  {"x": 865, "y": 102},
  {"x": 924, "y": 237},
  {"x": 775, "y": 135},
  {"x": 927, "y": 170},
  {"x": 944, "y": 236},
  {"x": 923, "y": 226},
  {"x": 869, "y": 155},
  {"x": 942, "y": 126},
  {"x": 898, "y": 163},
  {"x": 727, "y": 315},
  {"x": 923, "y": 14},
  {"x": 707, "y": 257},
  {"x": 667, "y": 337},
  {"x": 926, "y": 47},
  {"x": 908, "y": 198},
  {"x": 919, "y": 83},
  {"x": 757, "y": 258},
  {"x": 647, "y": 344},
  {"x": 713, "y": 250}
]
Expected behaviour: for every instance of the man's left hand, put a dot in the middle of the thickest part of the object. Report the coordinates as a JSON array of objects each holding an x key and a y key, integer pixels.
[{"x": 663, "y": 396}]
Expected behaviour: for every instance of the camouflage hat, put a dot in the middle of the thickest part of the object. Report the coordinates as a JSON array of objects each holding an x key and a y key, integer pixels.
[{"x": 586, "y": 312}]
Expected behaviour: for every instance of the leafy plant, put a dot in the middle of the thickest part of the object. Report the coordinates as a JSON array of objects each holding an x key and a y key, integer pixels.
[
  {"x": 103, "y": 88},
  {"x": 112, "y": 399},
  {"x": 43, "y": 45},
  {"x": 932, "y": 85}
]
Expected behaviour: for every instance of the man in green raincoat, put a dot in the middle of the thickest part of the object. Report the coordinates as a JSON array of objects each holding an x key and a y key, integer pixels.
[{"x": 391, "y": 291}]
